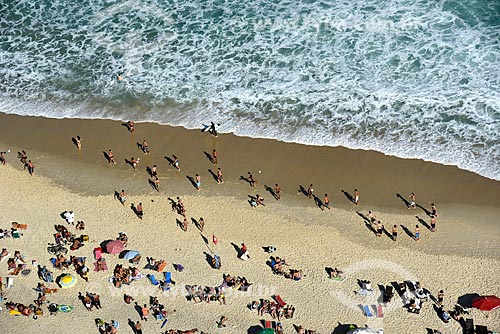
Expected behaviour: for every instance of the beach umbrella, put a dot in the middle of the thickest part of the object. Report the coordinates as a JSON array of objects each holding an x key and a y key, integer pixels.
[
  {"x": 129, "y": 255},
  {"x": 114, "y": 247},
  {"x": 67, "y": 281},
  {"x": 486, "y": 303}
]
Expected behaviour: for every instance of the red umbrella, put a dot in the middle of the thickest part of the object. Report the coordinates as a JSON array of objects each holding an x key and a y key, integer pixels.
[
  {"x": 486, "y": 303},
  {"x": 114, "y": 247}
]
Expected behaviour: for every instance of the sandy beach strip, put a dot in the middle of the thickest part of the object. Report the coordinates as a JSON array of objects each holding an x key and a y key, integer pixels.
[{"x": 462, "y": 257}]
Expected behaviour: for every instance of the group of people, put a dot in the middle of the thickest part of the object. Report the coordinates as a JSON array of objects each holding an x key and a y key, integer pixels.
[
  {"x": 276, "y": 310},
  {"x": 90, "y": 300},
  {"x": 198, "y": 294}
]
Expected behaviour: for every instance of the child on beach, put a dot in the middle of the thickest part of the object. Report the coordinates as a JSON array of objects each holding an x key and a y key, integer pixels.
[{"x": 417, "y": 233}]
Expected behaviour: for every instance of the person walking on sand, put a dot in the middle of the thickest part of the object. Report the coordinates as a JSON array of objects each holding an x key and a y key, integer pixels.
[
  {"x": 417, "y": 233},
  {"x": 31, "y": 167},
  {"x": 123, "y": 197},
  {"x": 260, "y": 200},
  {"x": 138, "y": 328},
  {"x": 214, "y": 157},
  {"x": 201, "y": 224},
  {"x": 440, "y": 297},
  {"x": 111, "y": 157},
  {"x": 326, "y": 203},
  {"x": 139, "y": 211},
  {"x": 154, "y": 171},
  {"x": 251, "y": 180},
  {"x": 310, "y": 191},
  {"x": 2, "y": 158},
  {"x": 145, "y": 147},
  {"x": 371, "y": 217},
  {"x": 412, "y": 201},
  {"x": 356, "y": 197},
  {"x": 176, "y": 163},
  {"x": 197, "y": 180},
  {"x": 185, "y": 224},
  {"x": 394, "y": 232},
  {"x": 219, "y": 176},
  {"x": 277, "y": 192}
]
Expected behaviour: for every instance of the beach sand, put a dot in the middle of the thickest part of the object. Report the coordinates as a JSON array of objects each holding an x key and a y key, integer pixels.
[{"x": 461, "y": 258}]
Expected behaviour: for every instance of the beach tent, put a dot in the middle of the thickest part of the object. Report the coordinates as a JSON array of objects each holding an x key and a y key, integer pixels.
[
  {"x": 114, "y": 247},
  {"x": 486, "y": 303},
  {"x": 366, "y": 331},
  {"x": 66, "y": 281}
]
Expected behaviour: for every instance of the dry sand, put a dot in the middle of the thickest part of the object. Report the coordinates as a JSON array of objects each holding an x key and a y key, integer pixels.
[{"x": 461, "y": 258}]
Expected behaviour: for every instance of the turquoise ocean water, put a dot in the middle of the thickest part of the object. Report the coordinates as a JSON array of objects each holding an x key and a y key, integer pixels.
[{"x": 414, "y": 79}]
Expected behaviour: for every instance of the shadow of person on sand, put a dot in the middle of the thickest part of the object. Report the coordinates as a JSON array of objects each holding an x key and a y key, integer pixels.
[
  {"x": 213, "y": 175},
  {"x": 365, "y": 218},
  {"x": 209, "y": 157},
  {"x": 407, "y": 231},
  {"x": 246, "y": 179},
  {"x": 209, "y": 258},
  {"x": 237, "y": 249},
  {"x": 193, "y": 182},
  {"x": 408, "y": 205},
  {"x": 106, "y": 155},
  {"x": 302, "y": 190},
  {"x": 270, "y": 190},
  {"x": 348, "y": 196},
  {"x": 318, "y": 201},
  {"x": 424, "y": 223},
  {"x": 427, "y": 212}
]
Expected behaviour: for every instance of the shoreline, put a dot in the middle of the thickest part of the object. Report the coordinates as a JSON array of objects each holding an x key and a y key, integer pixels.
[
  {"x": 465, "y": 200},
  {"x": 462, "y": 257}
]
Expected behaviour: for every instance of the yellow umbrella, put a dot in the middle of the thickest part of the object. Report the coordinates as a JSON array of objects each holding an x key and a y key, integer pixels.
[{"x": 67, "y": 281}]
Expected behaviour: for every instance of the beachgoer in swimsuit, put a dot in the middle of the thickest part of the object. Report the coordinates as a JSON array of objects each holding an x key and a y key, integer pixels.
[
  {"x": 145, "y": 147},
  {"x": 2, "y": 158},
  {"x": 380, "y": 229},
  {"x": 412, "y": 201},
  {"x": 277, "y": 192},
  {"x": 417, "y": 233},
  {"x": 197, "y": 180},
  {"x": 310, "y": 191},
  {"x": 326, "y": 203},
  {"x": 139, "y": 211},
  {"x": 214, "y": 157},
  {"x": 31, "y": 167},
  {"x": 394, "y": 232},
  {"x": 251, "y": 180},
  {"x": 131, "y": 126},
  {"x": 111, "y": 157},
  {"x": 123, "y": 197},
  {"x": 176, "y": 162},
  {"x": 356, "y": 197},
  {"x": 219, "y": 176}
]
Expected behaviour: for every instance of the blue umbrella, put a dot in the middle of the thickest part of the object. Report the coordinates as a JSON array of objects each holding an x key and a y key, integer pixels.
[{"x": 130, "y": 254}]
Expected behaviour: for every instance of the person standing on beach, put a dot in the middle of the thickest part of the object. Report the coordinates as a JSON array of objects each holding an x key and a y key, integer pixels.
[
  {"x": 394, "y": 232},
  {"x": 154, "y": 171},
  {"x": 31, "y": 167},
  {"x": 433, "y": 223},
  {"x": 326, "y": 203},
  {"x": 310, "y": 191},
  {"x": 277, "y": 192},
  {"x": 440, "y": 297},
  {"x": 111, "y": 157},
  {"x": 219, "y": 176},
  {"x": 2, "y": 158},
  {"x": 176, "y": 163},
  {"x": 380, "y": 229},
  {"x": 138, "y": 328},
  {"x": 157, "y": 183},
  {"x": 123, "y": 197},
  {"x": 78, "y": 142},
  {"x": 145, "y": 147},
  {"x": 139, "y": 211},
  {"x": 417, "y": 233},
  {"x": 412, "y": 201},
  {"x": 434, "y": 210},
  {"x": 251, "y": 180},
  {"x": 201, "y": 224},
  {"x": 197, "y": 180},
  {"x": 214, "y": 157},
  {"x": 131, "y": 126},
  {"x": 134, "y": 162},
  {"x": 356, "y": 197}
]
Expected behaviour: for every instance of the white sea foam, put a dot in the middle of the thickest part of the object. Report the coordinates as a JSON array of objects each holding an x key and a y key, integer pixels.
[{"x": 410, "y": 79}]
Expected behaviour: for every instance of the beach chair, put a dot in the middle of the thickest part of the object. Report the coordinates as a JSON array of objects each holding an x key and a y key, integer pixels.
[
  {"x": 469, "y": 326},
  {"x": 279, "y": 300},
  {"x": 367, "y": 311},
  {"x": 216, "y": 261},
  {"x": 153, "y": 280},
  {"x": 10, "y": 282},
  {"x": 380, "y": 311},
  {"x": 481, "y": 329},
  {"x": 168, "y": 277},
  {"x": 161, "y": 266},
  {"x": 267, "y": 324}
]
